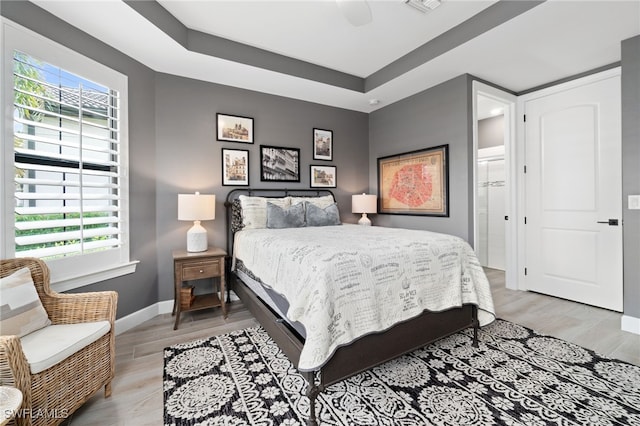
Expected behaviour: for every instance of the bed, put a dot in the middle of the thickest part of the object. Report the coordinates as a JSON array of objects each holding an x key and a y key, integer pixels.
[{"x": 312, "y": 287}]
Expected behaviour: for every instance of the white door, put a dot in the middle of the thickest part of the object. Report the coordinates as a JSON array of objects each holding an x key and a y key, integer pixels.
[{"x": 573, "y": 195}]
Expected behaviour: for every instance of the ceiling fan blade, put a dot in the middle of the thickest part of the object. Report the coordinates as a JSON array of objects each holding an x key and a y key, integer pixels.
[{"x": 357, "y": 12}]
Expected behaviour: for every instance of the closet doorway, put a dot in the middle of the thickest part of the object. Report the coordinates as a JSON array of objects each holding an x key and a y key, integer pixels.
[
  {"x": 491, "y": 196},
  {"x": 494, "y": 174}
]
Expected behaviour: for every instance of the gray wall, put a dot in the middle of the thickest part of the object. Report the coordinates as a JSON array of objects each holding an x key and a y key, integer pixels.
[
  {"x": 491, "y": 132},
  {"x": 437, "y": 116},
  {"x": 138, "y": 290},
  {"x": 189, "y": 156},
  {"x": 173, "y": 149},
  {"x": 631, "y": 172}
]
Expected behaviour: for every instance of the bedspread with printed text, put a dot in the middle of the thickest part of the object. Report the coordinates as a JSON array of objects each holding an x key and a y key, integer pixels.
[{"x": 343, "y": 282}]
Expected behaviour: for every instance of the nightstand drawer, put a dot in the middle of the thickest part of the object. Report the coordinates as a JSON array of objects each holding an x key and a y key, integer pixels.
[{"x": 194, "y": 271}]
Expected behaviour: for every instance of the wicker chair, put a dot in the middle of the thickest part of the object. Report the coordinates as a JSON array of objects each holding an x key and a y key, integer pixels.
[{"x": 64, "y": 387}]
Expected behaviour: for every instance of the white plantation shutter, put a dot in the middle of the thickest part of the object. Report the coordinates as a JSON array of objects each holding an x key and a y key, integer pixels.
[
  {"x": 69, "y": 192},
  {"x": 66, "y": 138}
]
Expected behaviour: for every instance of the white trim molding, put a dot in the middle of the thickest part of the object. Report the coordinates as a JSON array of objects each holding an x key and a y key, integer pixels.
[
  {"x": 630, "y": 324},
  {"x": 134, "y": 319},
  {"x": 509, "y": 103},
  {"x": 65, "y": 284}
]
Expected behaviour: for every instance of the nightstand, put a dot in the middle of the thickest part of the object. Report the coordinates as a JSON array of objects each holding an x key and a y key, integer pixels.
[{"x": 189, "y": 266}]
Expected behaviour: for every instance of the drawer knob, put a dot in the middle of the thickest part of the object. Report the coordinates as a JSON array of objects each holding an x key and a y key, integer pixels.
[{"x": 201, "y": 271}]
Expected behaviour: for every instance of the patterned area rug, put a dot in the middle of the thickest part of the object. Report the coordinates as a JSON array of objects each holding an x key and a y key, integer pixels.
[{"x": 516, "y": 377}]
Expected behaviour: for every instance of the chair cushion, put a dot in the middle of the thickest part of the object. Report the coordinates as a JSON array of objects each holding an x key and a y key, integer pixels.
[
  {"x": 21, "y": 311},
  {"x": 48, "y": 346}
]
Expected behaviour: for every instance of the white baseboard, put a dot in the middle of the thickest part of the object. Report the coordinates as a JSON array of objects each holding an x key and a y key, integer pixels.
[
  {"x": 145, "y": 314},
  {"x": 132, "y": 320},
  {"x": 630, "y": 324}
]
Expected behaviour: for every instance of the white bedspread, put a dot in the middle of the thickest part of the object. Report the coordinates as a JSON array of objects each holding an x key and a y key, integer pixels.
[{"x": 343, "y": 282}]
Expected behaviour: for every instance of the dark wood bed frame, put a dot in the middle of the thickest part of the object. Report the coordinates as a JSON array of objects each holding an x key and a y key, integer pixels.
[{"x": 364, "y": 353}]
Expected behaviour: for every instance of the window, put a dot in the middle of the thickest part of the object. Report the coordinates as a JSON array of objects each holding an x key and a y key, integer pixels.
[{"x": 68, "y": 194}]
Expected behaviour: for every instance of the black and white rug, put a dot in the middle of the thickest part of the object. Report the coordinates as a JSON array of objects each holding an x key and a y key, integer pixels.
[{"x": 516, "y": 377}]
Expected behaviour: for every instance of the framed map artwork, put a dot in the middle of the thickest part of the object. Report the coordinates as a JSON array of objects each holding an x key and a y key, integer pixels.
[{"x": 415, "y": 183}]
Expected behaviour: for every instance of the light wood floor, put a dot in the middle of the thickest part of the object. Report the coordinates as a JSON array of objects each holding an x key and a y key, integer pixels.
[{"x": 137, "y": 387}]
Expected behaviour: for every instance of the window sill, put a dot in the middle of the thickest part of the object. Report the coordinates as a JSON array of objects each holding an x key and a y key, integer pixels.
[{"x": 62, "y": 284}]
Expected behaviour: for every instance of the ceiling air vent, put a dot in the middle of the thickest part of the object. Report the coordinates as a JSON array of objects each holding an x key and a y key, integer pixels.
[{"x": 423, "y": 6}]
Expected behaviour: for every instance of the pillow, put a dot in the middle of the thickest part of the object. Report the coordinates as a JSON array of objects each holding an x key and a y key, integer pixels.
[
  {"x": 278, "y": 218},
  {"x": 321, "y": 202},
  {"x": 236, "y": 216},
  {"x": 21, "y": 311},
  {"x": 254, "y": 210},
  {"x": 316, "y": 216}
]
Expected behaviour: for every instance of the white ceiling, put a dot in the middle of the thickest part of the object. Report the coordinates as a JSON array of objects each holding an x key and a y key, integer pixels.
[
  {"x": 317, "y": 32},
  {"x": 552, "y": 41}
]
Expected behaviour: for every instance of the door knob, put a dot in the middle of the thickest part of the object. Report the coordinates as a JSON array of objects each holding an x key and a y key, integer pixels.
[{"x": 610, "y": 222}]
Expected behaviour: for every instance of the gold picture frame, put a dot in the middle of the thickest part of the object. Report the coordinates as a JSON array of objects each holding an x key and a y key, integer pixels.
[{"x": 415, "y": 183}]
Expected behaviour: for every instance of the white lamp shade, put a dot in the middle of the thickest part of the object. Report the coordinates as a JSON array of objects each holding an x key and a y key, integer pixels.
[
  {"x": 196, "y": 207},
  {"x": 364, "y": 203}
]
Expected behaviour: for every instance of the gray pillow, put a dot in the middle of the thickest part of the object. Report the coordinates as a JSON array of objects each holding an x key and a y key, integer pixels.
[
  {"x": 316, "y": 216},
  {"x": 278, "y": 217}
]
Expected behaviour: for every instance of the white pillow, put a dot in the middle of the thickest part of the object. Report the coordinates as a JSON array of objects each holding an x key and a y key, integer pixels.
[
  {"x": 254, "y": 210},
  {"x": 21, "y": 311},
  {"x": 322, "y": 202}
]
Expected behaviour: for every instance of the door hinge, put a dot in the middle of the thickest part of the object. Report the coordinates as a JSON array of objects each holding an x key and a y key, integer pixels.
[
  {"x": 524, "y": 117},
  {"x": 525, "y": 271},
  {"x": 525, "y": 220},
  {"x": 525, "y": 169}
]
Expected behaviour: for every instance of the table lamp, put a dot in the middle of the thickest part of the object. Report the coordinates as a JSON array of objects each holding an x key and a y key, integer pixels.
[
  {"x": 196, "y": 207},
  {"x": 364, "y": 203}
]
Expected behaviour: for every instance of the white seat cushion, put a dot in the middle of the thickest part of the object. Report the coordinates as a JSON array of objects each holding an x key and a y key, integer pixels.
[{"x": 48, "y": 346}]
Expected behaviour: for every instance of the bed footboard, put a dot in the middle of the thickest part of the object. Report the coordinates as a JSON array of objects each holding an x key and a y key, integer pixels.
[
  {"x": 366, "y": 352},
  {"x": 375, "y": 349}
]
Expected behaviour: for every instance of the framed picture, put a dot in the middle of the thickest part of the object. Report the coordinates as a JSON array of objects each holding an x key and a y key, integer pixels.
[
  {"x": 234, "y": 128},
  {"x": 323, "y": 176},
  {"x": 278, "y": 164},
  {"x": 415, "y": 183},
  {"x": 235, "y": 167},
  {"x": 322, "y": 144}
]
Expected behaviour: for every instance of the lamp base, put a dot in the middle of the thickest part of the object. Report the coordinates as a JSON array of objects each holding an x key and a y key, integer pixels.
[
  {"x": 197, "y": 238},
  {"x": 364, "y": 220}
]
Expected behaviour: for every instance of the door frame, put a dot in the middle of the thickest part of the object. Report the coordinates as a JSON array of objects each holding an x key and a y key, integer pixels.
[
  {"x": 521, "y": 160},
  {"x": 509, "y": 102}
]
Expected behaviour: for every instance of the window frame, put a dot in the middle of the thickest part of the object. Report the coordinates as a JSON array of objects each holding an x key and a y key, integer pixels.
[{"x": 66, "y": 273}]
